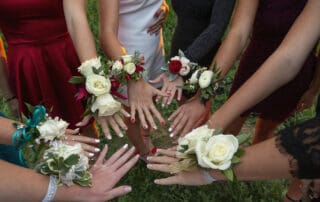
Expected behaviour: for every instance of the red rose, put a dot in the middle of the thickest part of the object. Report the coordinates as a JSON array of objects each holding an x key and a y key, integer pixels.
[
  {"x": 128, "y": 77},
  {"x": 139, "y": 68},
  {"x": 82, "y": 93},
  {"x": 175, "y": 66},
  {"x": 115, "y": 84}
]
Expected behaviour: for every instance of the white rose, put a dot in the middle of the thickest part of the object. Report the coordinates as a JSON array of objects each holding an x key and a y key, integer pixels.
[
  {"x": 184, "y": 70},
  {"x": 191, "y": 139},
  {"x": 175, "y": 58},
  {"x": 97, "y": 85},
  {"x": 205, "y": 79},
  {"x": 52, "y": 129},
  {"x": 86, "y": 67},
  {"x": 194, "y": 77},
  {"x": 217, "y": 152},
  {"x": 130, "y": 68},
  {"x": 184, "y": 61},
  {"x": 106, "y": 105},
  {"x": 63, "y": 150},
  {"x": 117, "y": 66},
  {"x": 126, "y": 58}
]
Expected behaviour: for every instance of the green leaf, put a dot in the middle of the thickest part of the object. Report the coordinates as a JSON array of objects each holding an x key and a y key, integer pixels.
[
  {"x": 235, "y": 159},
  {"x": 73, "y": 159},
  {"x": 172, "y": 77},
  {"x": 242, "y": 138},
  {"x": 240, "y": 152},
  {"x": 229, "y": 174},
  {"x": 97, "y": 71},
  {"x": 77, "y": 80},
  {"x": 30, "y": 107},
  {"x": 52, "y": 165},
  {"x": 181, "y": 53},
  {"x": 165, "y": 68}
]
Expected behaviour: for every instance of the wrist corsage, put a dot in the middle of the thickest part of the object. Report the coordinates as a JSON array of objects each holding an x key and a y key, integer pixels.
[
  {"x": 178, "y": 66},
  {"x": 208, "y": 148},
  {"x": 41, "y": 138},
  {"x": 205, "y": 81},
  {"x": 98, "y": 89}
]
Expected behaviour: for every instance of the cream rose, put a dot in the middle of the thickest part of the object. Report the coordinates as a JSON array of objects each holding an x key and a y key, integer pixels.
[
  {"x": 175, "y": 58},
  {"x": 126, "y": 58},
  {"x": 194, "y": 77},
  {"x": 184, "y": 70},
  {"x": 97, "y": 85},
  {"x": 217, "y": 152},
  {"x": 86, "y": 67},
  {"x": 52, "y": 129},
  {"x": 117, "y": 66},
  {"x": 205, "y": 79},
  {"x": 184, "y": 61},
  {"x": 191, "y": 139},
  {"x": 130, "y": 68},
  {"x": 106, "y": 105}
]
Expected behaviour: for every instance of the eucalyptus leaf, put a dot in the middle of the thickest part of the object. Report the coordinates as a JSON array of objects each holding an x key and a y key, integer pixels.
[
  {"x": 235, "y": 159},
  {"x": 242, "y": 138},
  {"x": 77, "y": 80}
]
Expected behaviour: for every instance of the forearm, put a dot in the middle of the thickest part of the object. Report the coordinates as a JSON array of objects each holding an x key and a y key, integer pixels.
[
  {"x": 79, "y": 29},
  {"x": 111, "y": 45},
  {"x": 260, "y": 162}
]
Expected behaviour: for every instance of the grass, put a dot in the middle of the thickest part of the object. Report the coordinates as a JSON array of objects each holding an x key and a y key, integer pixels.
[{"x": 141, "y": 179}]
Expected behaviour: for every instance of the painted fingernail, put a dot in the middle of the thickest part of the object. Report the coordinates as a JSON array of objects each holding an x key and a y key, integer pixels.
[
  {"x": 155, "y": 127},
  {"x": 171, "y": 135},
  {"x": 163, "y": 123},
  {"x": 162, "y": 105},
  {"x": 157, "y": 100},
  {"x": 91, "y": 154},
  {"x": 125, "y": 146},
  {"x": 96, "y": 149},
  {"x": 137, "y": 156},
  {"x": 168, "y": 103},
  {"x": 132, "y": 120},
  {"x": 109, "y": 137},
  {"x": 128, "y": 115},
  {"x": 132, "y": 148},
  {"x": 120, "y": 135},
  {"x": 170, "y": 129},
  {"x": 169, "y": 119},
  {"x": 127, "y": 189},
  {"x": 77, "y": 130},
  {"x": 97, "y": 140},
  {"x": 145, "y": 127}
]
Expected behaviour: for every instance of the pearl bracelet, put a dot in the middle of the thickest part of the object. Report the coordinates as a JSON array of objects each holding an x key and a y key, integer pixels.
[{"x": 52, "y": 189}]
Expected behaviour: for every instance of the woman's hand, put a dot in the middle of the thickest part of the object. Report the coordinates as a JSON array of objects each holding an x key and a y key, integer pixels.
[
  {"x": 106, "y": 173},
  {"x": 140, "y": 96},
  {"x": 306, "y": 100},
  {"x": 159, "y": 18},
  {"x": 161, "y": 163},
  {"x": 188, "y": 116},
  {"x": 73, "y": 137},
  {"x": 168, "y": 87},
  {"x": 115, "y": 121}
]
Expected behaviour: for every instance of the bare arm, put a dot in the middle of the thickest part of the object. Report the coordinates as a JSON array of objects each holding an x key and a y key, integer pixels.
[
  {"x": 281, "y": 67},
  {"x": 79, "y": 29},
  {"x": 109, "y": 16},
  {"x": 237, "y": 37}
]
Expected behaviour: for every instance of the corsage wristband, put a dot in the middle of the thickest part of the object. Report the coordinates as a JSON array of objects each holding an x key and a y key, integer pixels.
[{"x": 52, "y": 189}]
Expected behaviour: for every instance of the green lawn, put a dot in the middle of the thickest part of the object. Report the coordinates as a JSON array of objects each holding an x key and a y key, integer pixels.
[{"x": 141, "y": 179}]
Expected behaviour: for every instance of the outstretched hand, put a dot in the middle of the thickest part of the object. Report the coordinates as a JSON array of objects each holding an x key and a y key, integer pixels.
[
  {"x": 162, "y": 164},
  {"x": 140, "y": 96},
  {"x": 168, "y": 87},
  {"x": 159, "y": 19}
]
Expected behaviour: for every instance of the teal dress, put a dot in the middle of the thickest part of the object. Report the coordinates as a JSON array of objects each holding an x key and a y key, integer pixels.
[{"x": 10, "y": 153}]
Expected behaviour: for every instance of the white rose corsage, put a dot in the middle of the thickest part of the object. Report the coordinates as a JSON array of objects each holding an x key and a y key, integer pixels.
[{"x": 209, "y": 149}]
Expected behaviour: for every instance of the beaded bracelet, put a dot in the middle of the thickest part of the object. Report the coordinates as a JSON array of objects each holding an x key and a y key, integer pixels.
[{"x": 52, "y": 189}]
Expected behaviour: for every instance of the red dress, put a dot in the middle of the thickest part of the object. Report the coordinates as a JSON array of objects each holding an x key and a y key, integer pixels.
[
  {"x": 273, "y": 20},
  {"x": 41, "y": 56}
]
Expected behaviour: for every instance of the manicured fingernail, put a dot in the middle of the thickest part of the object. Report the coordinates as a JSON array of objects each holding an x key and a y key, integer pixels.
[
  {"x": 155, "y": 127},
  {"x": 125, "y": 146},
  {"x": 157, "y": 100},
  {"x": 127, "y": 189},
  {"x": 137, "y": 156},
  {"x": 162, "y": 105},
  {"x": 170, "y": 129},
  {"x": 96, "y": 149},
  {"x": 149, "y": 166},
  {"x": 91, "y": 154},
  {"x": 133, "y": 120},
  {"x": 109, "y": 137},
  {"x": 77, "y": 130},
  {"x": 145, "y": 127},
  {"x": 128, "y": 115},
  {"x": 97, "y": 140},
  {"x": 132, "y": 148},
  {"x": 171, "y": 135},
  {"x": 168, "y": 103},
  {"x": 120, "y": 135},
  {"x": 163, "y": 123}
]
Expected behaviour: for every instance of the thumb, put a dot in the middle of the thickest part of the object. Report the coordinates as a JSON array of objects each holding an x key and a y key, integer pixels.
[
  {"x": 157, "y": 80},
  {"x": 84, "y": 121}
]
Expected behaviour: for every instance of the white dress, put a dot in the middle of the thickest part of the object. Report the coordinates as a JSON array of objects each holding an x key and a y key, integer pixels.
[{"x": 135, "y": 16}]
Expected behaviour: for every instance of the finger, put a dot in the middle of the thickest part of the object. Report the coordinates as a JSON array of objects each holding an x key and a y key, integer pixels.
[
  {"x": 179, "y": 94},
  {"x": 89, "y": 148},
  {"x": 177, "y": 129},
  {"x": 81, "y": 139},
  {"x": 175, "y": 113},
  {"x": 150, "y": 118},
  {"x": 168, "y": 181},
  {"x": 167, "y": 152},
  {"x": 187, "y": 128},
  {"x": 116, "y": 192},
  {"x": 84, "y": 121},
  {"x": 127, "y": 166},
  {"x": 173, "y": 92},
  {"x": 157, "y": 114},
  {"x": 161, "y": 159},
  {"x": 176, "y": 122},
  {"x": 165, "y": 99},
  {"x": 157, "y": 80},
  {"x": 133, "y": 113},
  {"x": 116, "y": 155},
  {"x": 159, "y": 167},
  {"x": 163, "y": 89},
  {"x": 114, "y": 126},
  {"x": 120, "y": 122},
  {"x": 102, "y": 155},
  {"x": 88, "y": 154},
  {"x": 72, "y": 132},
  {"x": 155, "y": 28},
  {"x": 142, "y": 119},
  {"x": 124, "y": 112},
  {"x": 104, "y": 127},
  {"x": 119, "y": 162},
  {"x": 158, "y": 92}
]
